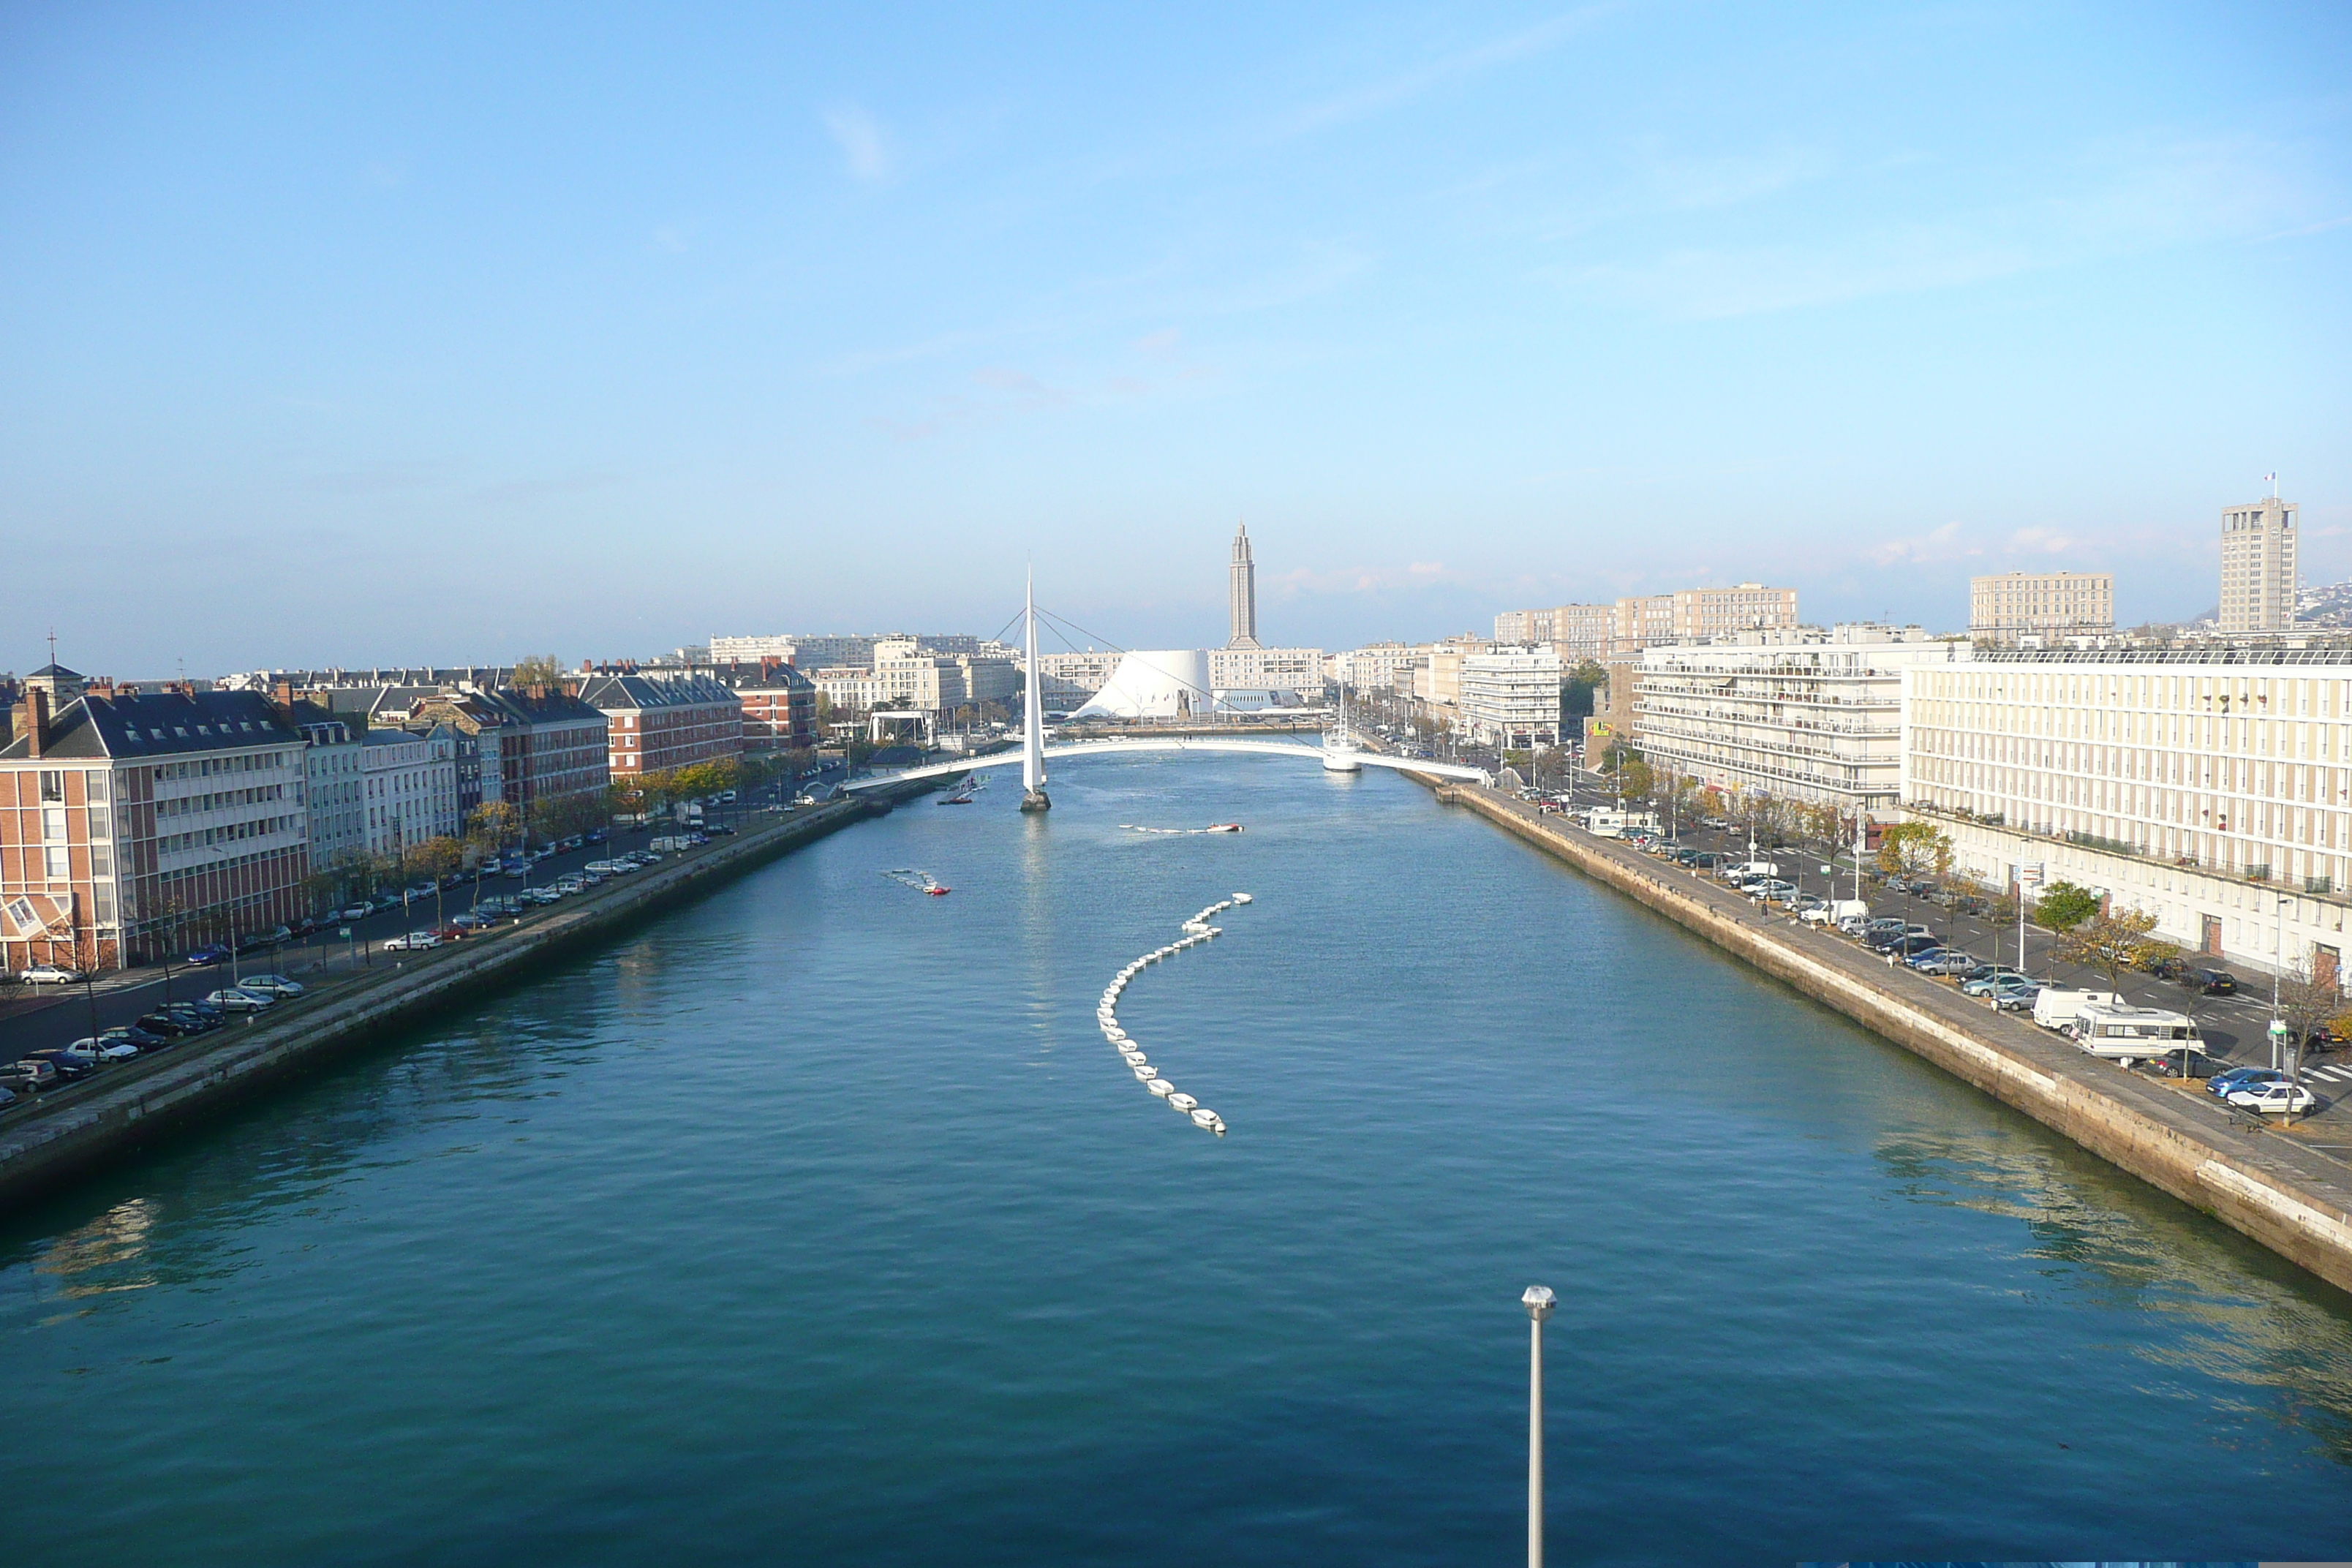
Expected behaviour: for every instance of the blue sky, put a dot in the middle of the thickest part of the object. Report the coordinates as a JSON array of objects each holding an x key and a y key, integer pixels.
[{"x": 358, "y": 334}]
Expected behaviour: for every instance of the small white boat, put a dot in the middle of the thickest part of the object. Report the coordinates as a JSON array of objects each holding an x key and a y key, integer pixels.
[
  {"x": 1115, "y": 1035},
  {"x": 1134, "y": 1055},
  {"x": 1241, "y": 898},
  {"x": 1160, "y": 1086},
  {"x": 1184, "y": 1102},
  {"x": 1146, "y": 1072},
  {"x": 1204, "y": 1117}
]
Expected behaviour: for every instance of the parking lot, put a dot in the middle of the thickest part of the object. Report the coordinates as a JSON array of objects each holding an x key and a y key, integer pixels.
[{"x": 2234, "y": 1029}]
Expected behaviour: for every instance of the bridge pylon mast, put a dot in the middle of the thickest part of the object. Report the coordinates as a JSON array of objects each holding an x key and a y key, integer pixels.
[{"x": 1033, "y": 708}]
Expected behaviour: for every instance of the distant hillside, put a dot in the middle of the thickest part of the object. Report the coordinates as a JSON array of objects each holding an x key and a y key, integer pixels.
[{"x": 2327, "y": 607}]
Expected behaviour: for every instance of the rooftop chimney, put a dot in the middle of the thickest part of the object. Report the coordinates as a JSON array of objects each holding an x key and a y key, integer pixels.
[{"x": 37, "y": 722}]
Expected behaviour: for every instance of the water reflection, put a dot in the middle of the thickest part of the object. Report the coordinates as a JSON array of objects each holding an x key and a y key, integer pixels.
[
  {"x": 2216, "y": 1307},
  {"x": 106, "y": 1255}
]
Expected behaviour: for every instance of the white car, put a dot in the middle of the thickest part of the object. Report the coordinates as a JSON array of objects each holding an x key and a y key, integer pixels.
[
  {"x": 106, "y": 1050},
  {"x": 270, "y": 986},
  {"x": 414, "y": 941},
  {"x": 51, "y": 974},
  {"x": 2277, "y": 1098},
  {"x": 236, "y": 999}
]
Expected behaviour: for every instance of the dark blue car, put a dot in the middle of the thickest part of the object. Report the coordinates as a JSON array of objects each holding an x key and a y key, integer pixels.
[{"x": 205, "y": 957}]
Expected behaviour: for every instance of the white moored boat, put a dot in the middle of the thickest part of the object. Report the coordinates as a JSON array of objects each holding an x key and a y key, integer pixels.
[
  {"x": 1241, "y": 898},
  {"x": 1160, "y": 1086},
  {"x": 1184, "y": 1102},
  {"x": 1204, "y": 1117},
  {"x": 1145, "y": 1072}
]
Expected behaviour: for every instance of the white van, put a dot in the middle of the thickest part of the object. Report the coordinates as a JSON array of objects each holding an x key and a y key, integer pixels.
[
  {"x": 1748, "y": 870},
  {"x": 2129, "y": 1035},
  {"x": 2056, "y": 1008},
  {"x": 1835, "y": 912}
]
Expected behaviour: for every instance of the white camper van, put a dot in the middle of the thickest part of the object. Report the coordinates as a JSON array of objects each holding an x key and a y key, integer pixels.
[
  {"x": 1836, "y": 911},
  {"x": 2057, "y": 1009},
  {"x": 2129, "y": 1034}
]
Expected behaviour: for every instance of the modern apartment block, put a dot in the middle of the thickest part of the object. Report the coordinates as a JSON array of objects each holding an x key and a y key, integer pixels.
[
  {"x": 1383, "y": 667},
  {"x": 1511, "y": 696},
  {"x": 1575, "y": 632},
  {"x": 1581, "y": 632},
  {"x": 2210, "y": 787},
  {"x": 2041, "y": 607},
  {"x": 1255, "y": 669},
  {"x": 135, "y": 823},
  {"x": 1800, "y": 713},
  {"x": 1438, "y": 682},
  {"x": 1067, "y": 680},
  {"x": 2258, "y": 565}
]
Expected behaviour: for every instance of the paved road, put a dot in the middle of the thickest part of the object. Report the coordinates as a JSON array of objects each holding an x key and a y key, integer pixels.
[
  {"x": 37, "y": 1018},
  {"x": 2235, "y": 1028}
]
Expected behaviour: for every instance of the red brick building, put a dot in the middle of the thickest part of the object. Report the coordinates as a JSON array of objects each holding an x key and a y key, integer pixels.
[
  {"x": 132, "y": 823},
  {"x": 656, "y": 723},
  {"x": 779, "y": 706}
]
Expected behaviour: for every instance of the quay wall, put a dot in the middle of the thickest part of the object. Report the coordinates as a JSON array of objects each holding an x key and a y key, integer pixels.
[
  {"x": 2258, "y": 1181},
  {"x": 135, "y": 1103}
]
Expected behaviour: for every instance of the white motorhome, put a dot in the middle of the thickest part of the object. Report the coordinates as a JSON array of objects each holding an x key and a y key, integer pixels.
[
  {"x": 2129, "y": 1035},
  {"x": 1750, "y": 870},
  {"x": 1603, "y": 823},
  {"x": 1836, "y": 911},
  {"x": 2056, "y": 1008}
]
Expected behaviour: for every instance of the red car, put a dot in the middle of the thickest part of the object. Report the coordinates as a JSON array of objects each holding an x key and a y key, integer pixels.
[{"x": 451, "y": 933}]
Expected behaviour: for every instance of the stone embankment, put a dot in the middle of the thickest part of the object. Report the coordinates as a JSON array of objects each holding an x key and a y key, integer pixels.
[
  {"x": 2256, "y": 1180},
  {"x": 132, "y": 1104}
]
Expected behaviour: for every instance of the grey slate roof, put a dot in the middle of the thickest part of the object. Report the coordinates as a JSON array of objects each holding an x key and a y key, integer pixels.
[{"x": 158, "y": 724}]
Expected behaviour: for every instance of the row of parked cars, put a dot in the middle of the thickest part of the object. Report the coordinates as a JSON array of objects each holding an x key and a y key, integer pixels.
[
  {"x": 164, "y": 1026},
  {"x": 489, "y": 911}
]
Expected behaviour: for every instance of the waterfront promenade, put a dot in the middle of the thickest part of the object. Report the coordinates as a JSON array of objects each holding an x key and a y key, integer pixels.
[{"x": 2259, "y": 1180}]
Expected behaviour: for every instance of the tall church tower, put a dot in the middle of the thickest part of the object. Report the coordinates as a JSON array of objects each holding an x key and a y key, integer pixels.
[{"x": 1241, "y": 601}]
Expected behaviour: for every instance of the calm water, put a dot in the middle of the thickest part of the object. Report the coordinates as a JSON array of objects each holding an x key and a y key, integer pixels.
[{"x": 815, "y": 1223}]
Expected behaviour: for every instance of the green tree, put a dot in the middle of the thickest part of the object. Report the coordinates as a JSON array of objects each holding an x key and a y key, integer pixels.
[
  {"x": 537, "y": 669},
  {"x": 2063, "y": 906}
]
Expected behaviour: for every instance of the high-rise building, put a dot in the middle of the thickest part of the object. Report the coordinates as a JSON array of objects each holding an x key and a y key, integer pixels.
[
  {"x": 2041, "y": 603},
  {"x": 1241, "y": 595},
  {"x": 2258, "y": 566}
]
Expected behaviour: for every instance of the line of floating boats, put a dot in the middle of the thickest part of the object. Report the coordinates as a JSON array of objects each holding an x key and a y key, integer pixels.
[
  {"x": 921, "y": 881},
  {"x": 1183, "y": 832},
  {"x": 1196, "y": 931}
]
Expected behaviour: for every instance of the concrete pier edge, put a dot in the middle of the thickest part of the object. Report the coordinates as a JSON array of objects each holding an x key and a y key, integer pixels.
[
  {"x": 2259, "y": 1183},
  {"x": 43, "y": 1146}
]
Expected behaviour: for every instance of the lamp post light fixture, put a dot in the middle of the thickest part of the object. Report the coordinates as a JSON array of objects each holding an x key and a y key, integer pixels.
[{"x": 1538, "y": 1301}]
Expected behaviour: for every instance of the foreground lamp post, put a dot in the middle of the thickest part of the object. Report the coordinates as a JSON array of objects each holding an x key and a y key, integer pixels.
[{"x": 1538, "y": 1301}]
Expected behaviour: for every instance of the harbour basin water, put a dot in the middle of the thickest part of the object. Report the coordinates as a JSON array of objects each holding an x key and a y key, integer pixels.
[{"x": 814, "y": 1221}]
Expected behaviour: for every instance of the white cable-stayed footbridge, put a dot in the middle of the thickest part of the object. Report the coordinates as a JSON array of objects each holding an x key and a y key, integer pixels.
[{"x": 1339, "y": 752}]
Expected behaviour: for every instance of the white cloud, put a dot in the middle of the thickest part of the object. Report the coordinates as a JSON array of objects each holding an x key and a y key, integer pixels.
[
  {"x": 862, "y": 142},
  {"x": 2039, "y": 541},
  {"x": 1936, "y": 545}
]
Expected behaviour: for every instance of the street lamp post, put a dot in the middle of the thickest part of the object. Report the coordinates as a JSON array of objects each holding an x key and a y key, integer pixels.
[
  {"x": 1538, "y": 1301},
  {"x": 2278, "y": 966}
]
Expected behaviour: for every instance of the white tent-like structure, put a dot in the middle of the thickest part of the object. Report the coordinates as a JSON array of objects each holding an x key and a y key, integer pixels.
[{"x": 1162, "y": 684}]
